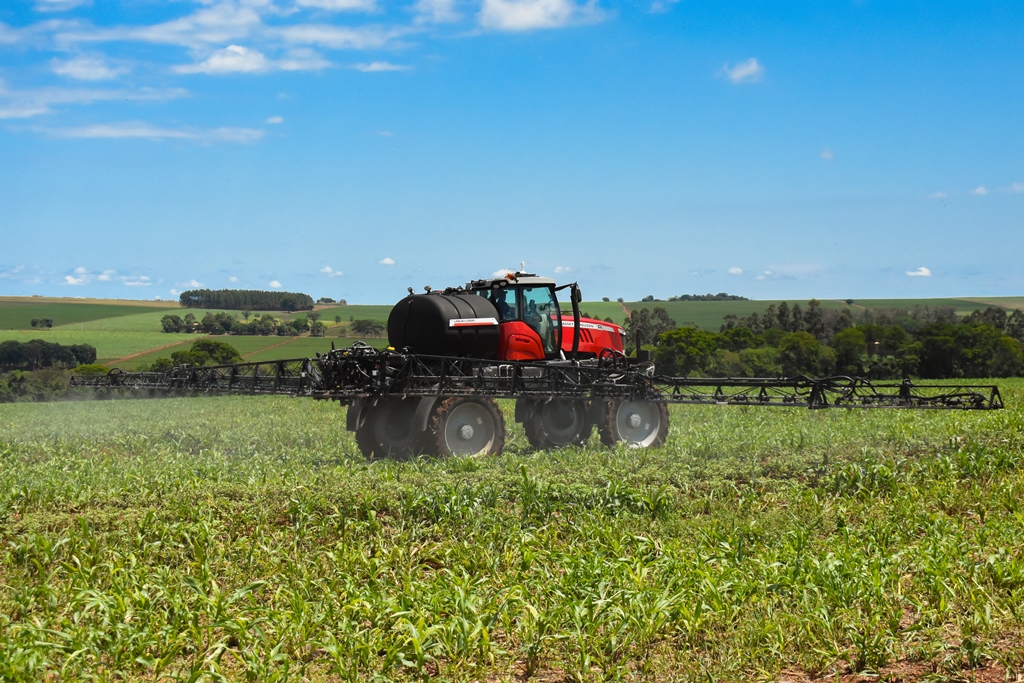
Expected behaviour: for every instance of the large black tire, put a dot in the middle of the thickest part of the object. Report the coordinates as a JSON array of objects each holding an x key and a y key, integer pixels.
[
  {"x": 638, "y": 424},
  {"x": 557, "y": 423},
  {"x": 389, "y": 430},
  {"x": 468, "y": 426}
]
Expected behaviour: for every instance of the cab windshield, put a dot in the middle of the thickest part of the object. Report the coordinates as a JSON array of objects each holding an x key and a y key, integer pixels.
[
  {"x": 540, "y": 312},
  {"x": 535, "y": 306}
]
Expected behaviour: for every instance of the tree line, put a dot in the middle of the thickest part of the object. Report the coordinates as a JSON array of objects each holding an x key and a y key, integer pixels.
[
  {"x": 38, "y": 354},
  {"x": 923, "y": 342},
  {"x": 264, "y": 325},
  {"x": 246, "y": 299}
]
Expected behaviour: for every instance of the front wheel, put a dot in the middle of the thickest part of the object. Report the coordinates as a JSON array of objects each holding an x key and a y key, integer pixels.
[
  {"x": 638, "y": 424},
  {"x": 468, "y": 426}
]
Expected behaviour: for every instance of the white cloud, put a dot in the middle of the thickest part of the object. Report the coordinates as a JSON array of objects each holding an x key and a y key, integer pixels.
[
  {"x": 275, "y": 119},
  {"x": 237, "y": 59},
  {"x": 87, "y": 68},
  {"x": 8, "y": 35},
  {"x": 219, "y": 23},
  {"x": 981, "y": 191},
  {"x": 106, "y": 275},
  {"x": 193, "y": 284},
  {"x": 662, "y": 6},
  {"x": 331, "y": 272},
  {"x": 233, "y": 279},
  {"x": 380, "y": 66},
  {"x": 562, "y": 269},
  {"x": 827, "y": 154},
  {"x": 338, "y": 37},
  {"x": 145, "y": 131},
  {"x": 20, "y": 104},
  {"x": 790, "y": 271},
  {"x": 340, "y": 5},
  {"x": 80, "y": 277},
  {"x": 141, "y": 281},
  {"x": 749, "y": 71},
  {"x": 735, "y": 271},
  {"x": 938, "y": 195},
  {"x": 13, "y": 273},
  {"x": 388, "y": 261},
  {"x": 502, "y": 272},
  {"x": 435, "y": 11},
  {"x": 174, "y": 292},
  {"x": 386, "y": 133},
  {"x": 60, "y": 5},
  {"x": 1017, "y": 187},
  {"x": 274, "y": 284},
  {"x": 232, "y": 59},
  {"x": 527, "y": 15},
  {"x": 920, "y": 272}
]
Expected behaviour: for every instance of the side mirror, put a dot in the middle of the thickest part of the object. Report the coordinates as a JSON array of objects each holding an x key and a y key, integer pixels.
[{"x": 577, "y": 296}]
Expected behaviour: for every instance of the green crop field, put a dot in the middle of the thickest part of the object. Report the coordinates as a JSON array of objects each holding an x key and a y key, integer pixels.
[
  {"x": 245, "y": 538},
  {"x": 17, "y": 313}
]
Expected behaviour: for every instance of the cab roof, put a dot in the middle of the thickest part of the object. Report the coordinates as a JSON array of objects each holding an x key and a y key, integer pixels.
[{"x": 517, "y": 278}]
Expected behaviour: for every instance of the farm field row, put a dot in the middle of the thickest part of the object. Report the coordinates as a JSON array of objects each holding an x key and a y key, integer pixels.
[{"x": 247, "y": 537}]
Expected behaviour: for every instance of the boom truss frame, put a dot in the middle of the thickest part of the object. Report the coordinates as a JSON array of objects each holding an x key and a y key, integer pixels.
[{"x": 361, "y": 372}]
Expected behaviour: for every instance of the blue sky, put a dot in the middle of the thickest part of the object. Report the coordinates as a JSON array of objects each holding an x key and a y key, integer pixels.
[{"x": 353, "y": 148}]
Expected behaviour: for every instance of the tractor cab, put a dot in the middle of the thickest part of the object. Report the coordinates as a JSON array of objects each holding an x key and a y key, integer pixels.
[
  {"x": 531, "y": 325},
  {"x": 528, "y": 315}
]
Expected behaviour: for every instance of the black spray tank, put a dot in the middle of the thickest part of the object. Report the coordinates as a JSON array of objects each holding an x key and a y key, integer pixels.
[{"x": 440, "y": 324}]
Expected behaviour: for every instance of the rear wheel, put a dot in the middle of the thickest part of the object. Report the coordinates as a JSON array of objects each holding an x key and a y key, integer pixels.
[
  {"x": 638, "y": 424},
  {"x": 463, "y": 425},
  {"x": 390, "y": 431},
  {"x": 556, "y": 423}
]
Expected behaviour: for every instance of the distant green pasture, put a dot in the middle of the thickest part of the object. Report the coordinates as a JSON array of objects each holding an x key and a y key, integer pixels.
[
  {"x": 109, "y": 345},
  {"x": 18, "y": 315}
]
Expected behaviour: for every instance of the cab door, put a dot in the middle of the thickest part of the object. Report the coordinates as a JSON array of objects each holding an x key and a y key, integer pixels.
[{"x": 529, "y": 322}]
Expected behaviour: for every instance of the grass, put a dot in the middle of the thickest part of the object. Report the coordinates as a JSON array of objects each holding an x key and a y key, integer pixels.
[
  {"x": 17, "y": 314},
  {"x": 110, "y": 346},
  {"x": 245, "y": 538}
]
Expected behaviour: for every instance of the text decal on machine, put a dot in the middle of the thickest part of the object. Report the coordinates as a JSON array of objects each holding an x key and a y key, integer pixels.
[{"x": 472, "y": 322}]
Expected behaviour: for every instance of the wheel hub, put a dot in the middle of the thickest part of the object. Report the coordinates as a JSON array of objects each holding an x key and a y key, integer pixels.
[
  {"x": 466, "y": 432},
  {"x": 634, "y": 420}
]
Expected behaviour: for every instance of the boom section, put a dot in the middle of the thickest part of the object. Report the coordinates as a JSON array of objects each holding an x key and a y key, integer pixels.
[{"x": 362, "y": 371}]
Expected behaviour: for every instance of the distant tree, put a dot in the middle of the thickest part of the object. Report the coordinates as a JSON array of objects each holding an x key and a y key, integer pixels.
[
  {"x": 814, "y": 320},
  {"x": 685, "y": 351},
  {"x": 366, "y": 328},
  {"x": 851, "y": 350},
  {"x": 800, "y": 353},
  {"x": 246, "y": 313},
  {"x": 289, "y": 304},
  {"x": 317, "y": 329},
  {"x": 172, "y": 323},
  {"x": 643, "y": 326},
  {"x": 207, "y": 352},
  {"x": 46, "y": 323},
  {"x": 337, "y": 319},
  {"x": 314, "y": 315},
  {"x": 782, "y": 318},
  {"x": 85, "y": 354},
  {"x": 604, "y": 298},
  {"x": 325, "y": 300}
]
